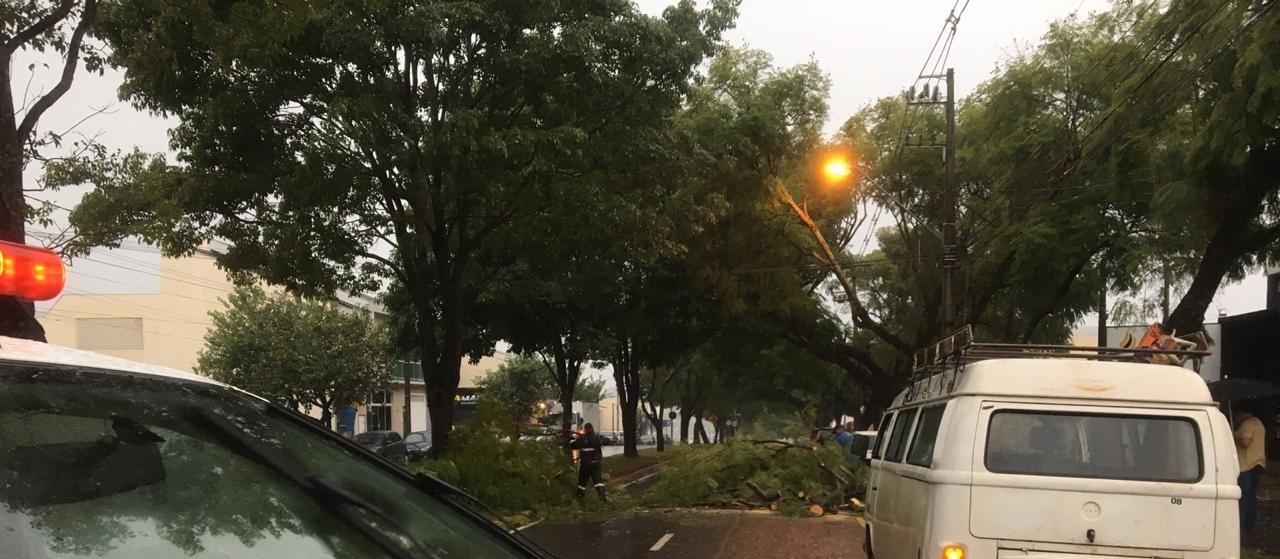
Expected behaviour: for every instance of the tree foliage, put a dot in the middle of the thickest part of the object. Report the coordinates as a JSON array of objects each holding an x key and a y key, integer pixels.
[
  {"x": 517, "y": 387},
  {"x": 340, "y": 144},
  {"x": 591, "y": 389},
  {"x": 300, "y": 353}
]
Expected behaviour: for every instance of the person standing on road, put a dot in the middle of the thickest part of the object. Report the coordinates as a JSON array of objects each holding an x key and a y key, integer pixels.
[
  {"x": 1251, "y": 442},
  {"x": 590, "y": 460},
  {"x": 845, "y": 439}
]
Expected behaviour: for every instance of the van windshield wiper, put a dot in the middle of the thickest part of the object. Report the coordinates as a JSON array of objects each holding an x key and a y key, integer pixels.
[{"x": 332, "y": 497}]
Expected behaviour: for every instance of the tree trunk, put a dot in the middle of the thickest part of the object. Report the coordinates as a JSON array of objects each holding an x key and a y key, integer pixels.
[
  {"x": 566, "y": 373},
  {"x": 684, "y": 425},
  {"x": 17, "y": 318},
  {"x": 326, "y": 417},
  {"x": 626, "y": 378},
  {"x": 661, "y": 436},
  {"x": 1229, "y": 243},
  {"x": 699, "y": 431},
  {"x": 1232, "y": 239},
  {"x": 629, "y": 428},
  {"x": 408, "y": 399},
  {"x": 1102, "y": 311},
  {"x": 440, "y": 409},
  {"x": 566, "y": 419},
  {"x": 1164, "y": 291}
]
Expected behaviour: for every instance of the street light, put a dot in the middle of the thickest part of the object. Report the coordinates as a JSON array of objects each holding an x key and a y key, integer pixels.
[{"x": 837, "y": 169}]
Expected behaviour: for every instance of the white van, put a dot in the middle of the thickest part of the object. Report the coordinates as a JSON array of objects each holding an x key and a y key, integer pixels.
[{"x": 1053, "y": 458}]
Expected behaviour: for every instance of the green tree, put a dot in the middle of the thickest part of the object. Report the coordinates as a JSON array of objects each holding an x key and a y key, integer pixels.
[
  {"x": 315, "y": 139},
  {"x": 590, "y": 390},
  {"x": 517, "y": 388},
  {"x": 34, "y": 27},
  {"x": 1203, "y": 112},
  {"x": 300, "y": 353}
]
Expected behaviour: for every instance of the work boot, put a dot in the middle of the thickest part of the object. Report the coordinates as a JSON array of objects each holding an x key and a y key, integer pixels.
[
  {"x": 581, "y": 491},
  {"x": 600, "y": 491}
]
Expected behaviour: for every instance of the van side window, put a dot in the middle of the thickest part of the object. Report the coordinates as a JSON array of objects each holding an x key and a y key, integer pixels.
[
  {"x": 883, "y": 436},
  {"x": 901, "y": 430},
  {"x": 921, "y": 453}
]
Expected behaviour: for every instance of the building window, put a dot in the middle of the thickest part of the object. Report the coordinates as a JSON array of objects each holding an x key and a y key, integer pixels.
[
  {"x": 109, "y": 333},
  {"x": 380, "y": 411}
]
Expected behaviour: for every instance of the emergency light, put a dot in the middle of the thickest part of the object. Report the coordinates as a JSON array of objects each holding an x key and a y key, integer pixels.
[{"x": 30, "y": 273}]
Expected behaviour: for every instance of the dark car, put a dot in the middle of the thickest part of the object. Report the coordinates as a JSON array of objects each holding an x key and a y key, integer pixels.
[
  {"x": 387, "y": 443},
  {"x": 100, "y": 457},
  {"x": 417, "y": 444}
]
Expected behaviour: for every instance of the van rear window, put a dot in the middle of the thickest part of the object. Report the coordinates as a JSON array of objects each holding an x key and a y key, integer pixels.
[{"x": 1129, "y": 447}]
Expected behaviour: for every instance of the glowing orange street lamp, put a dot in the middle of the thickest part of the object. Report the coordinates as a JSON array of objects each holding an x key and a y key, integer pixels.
[{"x": 837, "y": 168}]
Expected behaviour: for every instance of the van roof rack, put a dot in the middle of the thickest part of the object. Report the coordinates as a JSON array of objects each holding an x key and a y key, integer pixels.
[{"x": 953, "y": 352}]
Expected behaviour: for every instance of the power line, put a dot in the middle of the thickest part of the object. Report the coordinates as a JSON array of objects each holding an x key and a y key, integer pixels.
[
  {"x": 89, "y": 314},
  {"x": 59, "y": 317}
]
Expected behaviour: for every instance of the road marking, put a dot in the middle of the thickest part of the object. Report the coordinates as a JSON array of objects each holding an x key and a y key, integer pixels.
[
  {"x": 530, "y": 525},
  {"x": 661, "y": 542},
  {"x": 630, "y": 483}
]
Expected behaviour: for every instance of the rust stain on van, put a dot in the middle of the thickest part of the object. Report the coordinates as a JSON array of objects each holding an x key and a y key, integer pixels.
[{"x": 1093, "y": 385}]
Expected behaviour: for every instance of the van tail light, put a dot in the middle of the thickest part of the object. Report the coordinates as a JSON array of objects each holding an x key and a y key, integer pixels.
[
  {"x": 953, "y": 552},
  {"x": 30, "y": 273}
]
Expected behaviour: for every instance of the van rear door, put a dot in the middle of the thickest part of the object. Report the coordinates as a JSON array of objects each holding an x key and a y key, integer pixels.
[{"x": 1094, "y": 476}]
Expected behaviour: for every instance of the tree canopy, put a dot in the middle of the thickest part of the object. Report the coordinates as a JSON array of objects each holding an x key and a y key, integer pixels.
[
  {"x": 348, "y": 145},
  {"x": 300, "y": 353}
]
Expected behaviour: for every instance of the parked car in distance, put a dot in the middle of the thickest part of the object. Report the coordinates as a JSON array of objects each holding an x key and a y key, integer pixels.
[
  {"x": 389, "y": 444},
  {"x": 648, "y": 439},
  {"x": 417, "y": 444},
  {"x": 611, "y": 438}
]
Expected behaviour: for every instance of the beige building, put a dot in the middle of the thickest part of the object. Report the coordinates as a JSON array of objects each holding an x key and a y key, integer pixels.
[
  {"x": 135, "y": 304},
  {"x": 385, "y": 411}
]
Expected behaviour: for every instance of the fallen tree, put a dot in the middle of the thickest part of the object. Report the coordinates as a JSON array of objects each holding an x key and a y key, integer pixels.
[{"x": 794, "y": 479}]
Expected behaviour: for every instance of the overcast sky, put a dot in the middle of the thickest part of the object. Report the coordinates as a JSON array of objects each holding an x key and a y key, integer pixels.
[{"x": 870, "y": 48}]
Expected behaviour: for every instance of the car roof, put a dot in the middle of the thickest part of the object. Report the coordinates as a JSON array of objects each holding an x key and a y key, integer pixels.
[
  {"x": 28, "y": 351},
  {"x": 1059, "y": 378}
]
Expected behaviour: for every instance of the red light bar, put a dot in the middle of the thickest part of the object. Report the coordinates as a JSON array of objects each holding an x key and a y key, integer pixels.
[{"x": 30, "y": 273}]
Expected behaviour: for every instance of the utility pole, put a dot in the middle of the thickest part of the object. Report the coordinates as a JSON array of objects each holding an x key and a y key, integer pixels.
[
  {"x": 950, "y": 203},
  {"x": 950, "y": 188}
]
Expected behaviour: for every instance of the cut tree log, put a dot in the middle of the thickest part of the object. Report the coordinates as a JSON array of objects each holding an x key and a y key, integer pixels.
[
  {"x": 815, "y": 510},
  {"x": 773, "y": 505}
]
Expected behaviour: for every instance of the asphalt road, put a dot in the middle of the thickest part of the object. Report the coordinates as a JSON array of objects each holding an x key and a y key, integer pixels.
[
  {"x": 704, "y": 535},
  {"x": 615, "y": 450}
]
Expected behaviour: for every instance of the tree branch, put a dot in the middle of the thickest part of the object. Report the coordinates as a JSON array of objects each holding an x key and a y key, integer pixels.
[
  {"x": 860, "y": 315},
  {"x": 44, "y": 24},
  {"x": 68, "y": 70}
]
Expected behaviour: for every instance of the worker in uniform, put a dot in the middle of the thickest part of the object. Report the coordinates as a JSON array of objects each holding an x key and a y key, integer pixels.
[{"x": 590, "y": 460}]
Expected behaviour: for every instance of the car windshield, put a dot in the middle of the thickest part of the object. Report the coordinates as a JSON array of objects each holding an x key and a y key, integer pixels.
[
  {"x": 415, "y": 438},
  {"x": 114, "y": 465}
]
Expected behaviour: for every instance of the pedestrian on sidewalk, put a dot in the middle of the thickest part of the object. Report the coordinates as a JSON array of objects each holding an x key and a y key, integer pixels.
[
  {"x": 1251, "y": 441},
  {"x": 590, "y": 460}
]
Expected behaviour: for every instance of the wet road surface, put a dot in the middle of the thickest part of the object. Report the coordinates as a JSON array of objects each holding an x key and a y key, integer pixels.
[
  {"x": 616, "y": 450},
  {"x": 704, "y": 535}
]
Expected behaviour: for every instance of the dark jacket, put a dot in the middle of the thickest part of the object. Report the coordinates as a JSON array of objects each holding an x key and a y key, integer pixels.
[{"x": 589, "y": 447}]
